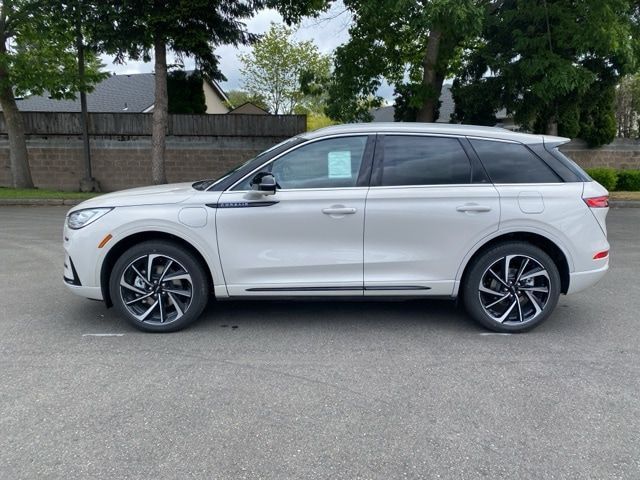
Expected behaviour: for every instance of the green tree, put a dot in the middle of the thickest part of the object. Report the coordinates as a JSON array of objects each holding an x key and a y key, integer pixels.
[
  {"x": 274, "y": 67},
  {"x": 31, "y": 63},
  {"x": 413, "y": 45},
  {"x": 189, "y": 28},
  {"x": 554, "y": 64},
  {"x": 628, "y": 106},
  {"x": 186, "y": 94},
  {"x": 318, "y": 120}
]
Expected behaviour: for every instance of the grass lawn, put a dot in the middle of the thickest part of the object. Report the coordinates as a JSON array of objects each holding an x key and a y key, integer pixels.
[
  {"x": 41, "y": 193},
  {"x": 624, "y": 195}
]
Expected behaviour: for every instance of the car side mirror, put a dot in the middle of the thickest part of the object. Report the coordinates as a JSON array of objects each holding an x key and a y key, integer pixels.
[{"x": 264, "y": 182}]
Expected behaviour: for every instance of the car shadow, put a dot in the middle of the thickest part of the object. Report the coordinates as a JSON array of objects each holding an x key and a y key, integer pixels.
[
  {"x": 442, "y": 315},
  {"x": 420, "y": 316}
]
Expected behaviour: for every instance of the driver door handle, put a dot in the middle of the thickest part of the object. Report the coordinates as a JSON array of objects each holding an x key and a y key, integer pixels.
[{"x": 339, "y": 211}]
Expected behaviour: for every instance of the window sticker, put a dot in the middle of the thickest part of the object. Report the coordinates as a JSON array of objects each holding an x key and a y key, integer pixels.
[{"x": 339, "y": 164}]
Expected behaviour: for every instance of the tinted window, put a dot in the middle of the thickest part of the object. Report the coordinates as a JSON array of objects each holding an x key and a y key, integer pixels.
[
  {"x": 581, "y": 175},
  {"x": 331, "y": 163},
  {"x": 414, "y": 160},
  {"x": 512, "y": 163}
]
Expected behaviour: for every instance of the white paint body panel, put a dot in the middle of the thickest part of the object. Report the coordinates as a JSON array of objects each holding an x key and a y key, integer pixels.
[
  {"x": 566, "y": 220},
  {"x": 292, "y": 244},
  {"x": 417, "y": 236}
]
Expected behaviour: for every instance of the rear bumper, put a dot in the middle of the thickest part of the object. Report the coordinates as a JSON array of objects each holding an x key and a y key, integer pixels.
[{"x": 582, "y": 280}]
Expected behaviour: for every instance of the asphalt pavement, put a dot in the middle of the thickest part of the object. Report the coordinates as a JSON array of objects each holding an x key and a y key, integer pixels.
[{"x": 313, "y": 390}]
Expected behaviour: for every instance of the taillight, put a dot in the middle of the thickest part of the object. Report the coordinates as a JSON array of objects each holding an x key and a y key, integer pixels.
[
  {"x": 602, "y": 254},
  {"x": 597, "y": 202}
]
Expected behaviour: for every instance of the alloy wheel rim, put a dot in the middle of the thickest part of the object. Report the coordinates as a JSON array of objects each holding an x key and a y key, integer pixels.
[
  {"x": 156, "y": 289},
  {"x": 514, "y": 289}
]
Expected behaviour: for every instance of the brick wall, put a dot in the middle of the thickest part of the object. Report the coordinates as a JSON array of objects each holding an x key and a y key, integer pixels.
[
  {"x": 198, "y": 146},
  {"x": 622, "y": 154},
  {"x": 57, "y": 163}
]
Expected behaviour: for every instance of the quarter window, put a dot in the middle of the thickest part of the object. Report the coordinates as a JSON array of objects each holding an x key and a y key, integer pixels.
[
  {"x": 513, "y": 163},
  {"x": 422, "y": 160},
  {"x": 331, "y": 163}
]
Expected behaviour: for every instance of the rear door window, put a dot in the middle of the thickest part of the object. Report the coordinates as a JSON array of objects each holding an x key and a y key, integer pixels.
[
  {"x": 512, "y": 163},
  {"x": 424, "y": 160}
]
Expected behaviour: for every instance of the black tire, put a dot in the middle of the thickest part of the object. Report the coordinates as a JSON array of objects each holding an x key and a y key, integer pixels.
[
  {"x": 530, "y": 305},
  {"x": 177, "y": 285}
]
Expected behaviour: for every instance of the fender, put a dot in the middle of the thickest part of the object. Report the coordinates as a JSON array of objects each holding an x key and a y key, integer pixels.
[
  {"x": 207, "y": 248},
  {"x": 555, "y": 239}
]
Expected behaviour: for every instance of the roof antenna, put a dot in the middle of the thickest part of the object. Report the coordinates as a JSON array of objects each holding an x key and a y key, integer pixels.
[{"x": 126, "y": 107}]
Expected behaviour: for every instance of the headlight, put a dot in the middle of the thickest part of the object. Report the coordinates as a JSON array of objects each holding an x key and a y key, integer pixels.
[{"x": 82, "y": 218}]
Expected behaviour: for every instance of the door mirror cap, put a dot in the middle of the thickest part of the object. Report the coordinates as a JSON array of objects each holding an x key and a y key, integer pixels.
[{"x": 265, "y": 183}]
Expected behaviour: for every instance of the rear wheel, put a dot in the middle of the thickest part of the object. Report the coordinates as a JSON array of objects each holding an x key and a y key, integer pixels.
[
  {"x": 159, "y": 286},
  {"x": 512, "y": 287}
]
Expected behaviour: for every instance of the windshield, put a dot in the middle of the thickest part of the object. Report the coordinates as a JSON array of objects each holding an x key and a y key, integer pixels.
[{"x": 205, "y": 184}]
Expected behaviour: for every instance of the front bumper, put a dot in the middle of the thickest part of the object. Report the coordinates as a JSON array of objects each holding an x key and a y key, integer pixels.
[
  {"x": 94, "y": 293},
  {"x": 81, "y": 261},
  {"x": 72, "y": 281}
]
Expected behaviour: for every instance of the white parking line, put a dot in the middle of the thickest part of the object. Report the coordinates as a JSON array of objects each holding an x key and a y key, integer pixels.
[
  {"x": 103, "y": 334},
  {"x": 486, "y": 334}
]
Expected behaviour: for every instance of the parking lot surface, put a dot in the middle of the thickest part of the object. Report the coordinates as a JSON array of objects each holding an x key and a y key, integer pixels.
[{"x": 341, "y": 390}]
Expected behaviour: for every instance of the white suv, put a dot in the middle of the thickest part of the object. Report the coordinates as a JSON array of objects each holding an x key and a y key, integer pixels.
[{"x": 500, "y": 219}]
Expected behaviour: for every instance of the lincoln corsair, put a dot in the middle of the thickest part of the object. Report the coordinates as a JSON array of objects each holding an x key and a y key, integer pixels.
[{"x": 502, "y": 221}]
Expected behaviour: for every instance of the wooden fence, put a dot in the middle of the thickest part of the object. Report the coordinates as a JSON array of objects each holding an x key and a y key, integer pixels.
[{"x": 139, "y": 124}]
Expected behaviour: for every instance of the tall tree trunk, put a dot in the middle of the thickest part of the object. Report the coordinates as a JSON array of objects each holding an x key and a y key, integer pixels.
[
  {"x": 160, "y": 113},
  {"x": 88, "y": 183},
  {"x": 18, "y": 156},
  {"x": 431, "y": 78}
]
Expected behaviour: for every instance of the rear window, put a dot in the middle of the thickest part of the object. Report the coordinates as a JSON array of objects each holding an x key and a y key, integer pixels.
[
  {"x": 570, "y": 164},
  {"x": 513, "y": 163}
]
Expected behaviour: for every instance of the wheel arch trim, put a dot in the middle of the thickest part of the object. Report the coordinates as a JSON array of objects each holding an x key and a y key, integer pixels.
[
  {"x": 512, "y": 234},
  {"x": 124, "y": 239}
]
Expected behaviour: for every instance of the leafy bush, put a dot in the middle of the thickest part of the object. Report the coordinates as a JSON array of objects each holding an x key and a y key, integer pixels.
[
  {"x": 628, "y": 181},
  {"x": 607, "y": 177}
]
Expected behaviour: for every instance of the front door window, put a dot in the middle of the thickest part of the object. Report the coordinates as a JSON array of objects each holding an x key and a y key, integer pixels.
[{"x": 331, "y": 163}]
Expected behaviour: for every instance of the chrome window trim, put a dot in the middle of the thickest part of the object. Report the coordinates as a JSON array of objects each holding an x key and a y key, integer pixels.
[
  {"x": 432, "y": 186},
  {"x": 501, "y": 140},
  {"x": 449, "y": 135}
]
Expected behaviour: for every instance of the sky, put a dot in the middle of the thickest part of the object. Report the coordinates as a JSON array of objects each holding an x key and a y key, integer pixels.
[{"x": 328, "y": 32}]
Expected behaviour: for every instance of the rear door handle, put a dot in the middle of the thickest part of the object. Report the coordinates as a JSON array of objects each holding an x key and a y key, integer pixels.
[
  {"x": 473, "y": 207},
  {"x": 339, "y": 211}
]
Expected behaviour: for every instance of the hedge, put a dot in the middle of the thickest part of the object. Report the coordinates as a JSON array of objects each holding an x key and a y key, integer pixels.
[
  {"x": 628, "y": 181},
  {"x": 607, "y": 177},
  {"x": 616, "y": 180}
]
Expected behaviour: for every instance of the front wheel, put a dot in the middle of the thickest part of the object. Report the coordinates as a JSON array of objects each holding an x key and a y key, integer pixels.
[
  {"x": 512, "y": 287},
  {"x": 158, "y": 286}
]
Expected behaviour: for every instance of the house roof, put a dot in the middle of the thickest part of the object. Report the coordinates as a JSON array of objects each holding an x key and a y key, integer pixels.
[
  {"x": 216, "y": 87},
  {"x": 447, "y": 107},
  {"x": 249, "y": 108},
  {"x": 132, "y": 93}
]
